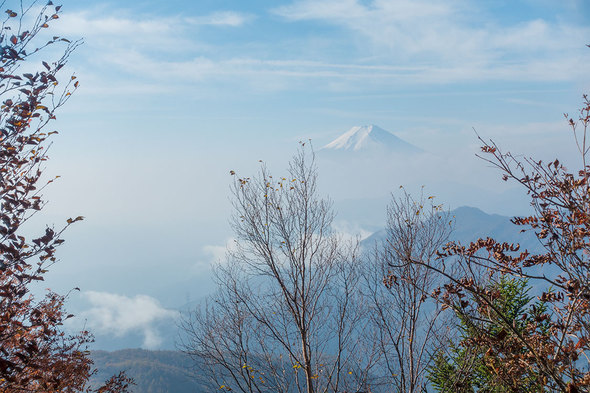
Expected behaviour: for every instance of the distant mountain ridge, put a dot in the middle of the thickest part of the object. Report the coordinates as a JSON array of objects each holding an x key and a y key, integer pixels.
[
  {"x": 370, "y": 138},
  {"x": 471, "y": 223}
]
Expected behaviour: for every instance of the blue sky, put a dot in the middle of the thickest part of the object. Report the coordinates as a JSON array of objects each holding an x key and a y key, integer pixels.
[
  {"x": 312, "y": 68},
  {"x": 175, "y": 94}
]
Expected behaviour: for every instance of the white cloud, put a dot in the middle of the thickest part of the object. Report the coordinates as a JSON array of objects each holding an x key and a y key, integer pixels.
[
  {"x": 83, "y": 23},
  {"x": 222, "y": 18},
  {"x": 275, "y": 75},
  {"x": 120, "y": 315},
  {"x": 446, "y": 39},
  {"x": 117, "y": 31},
  {"x": 217, "y": 253},
  {"x": 398, "y": 42},
  {"x": 165, "y": 33},
  {"x": 350, "y": 231}
]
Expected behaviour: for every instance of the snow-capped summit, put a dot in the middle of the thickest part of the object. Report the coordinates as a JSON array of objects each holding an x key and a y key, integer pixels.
[{"x": 367, "y": 138}]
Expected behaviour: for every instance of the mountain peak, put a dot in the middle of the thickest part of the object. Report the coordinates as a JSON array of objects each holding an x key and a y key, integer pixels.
[{"x": 369, "y": 137}]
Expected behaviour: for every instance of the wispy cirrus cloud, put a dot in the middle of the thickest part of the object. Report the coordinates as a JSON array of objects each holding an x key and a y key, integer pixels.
[
  {"x": 285, "y": 74},
  {"x": 121, "y": 30},
  {"x": 447, "y": 40},
  {"x": 392, "y": 43},
  {"x": 222, "y": 18},
  {"x": 444, "y": 28}
]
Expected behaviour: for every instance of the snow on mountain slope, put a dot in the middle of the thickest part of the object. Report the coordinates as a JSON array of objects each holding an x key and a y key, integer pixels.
[{"x": 367, "y": 138}]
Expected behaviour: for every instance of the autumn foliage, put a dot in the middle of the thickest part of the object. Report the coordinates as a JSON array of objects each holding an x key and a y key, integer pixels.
[
  {"x": 36, "y": 355},
  {"x": 544, "y": 346}
]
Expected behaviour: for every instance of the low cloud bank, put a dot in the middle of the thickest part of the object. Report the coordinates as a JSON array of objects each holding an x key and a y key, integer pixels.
[{"x": 121, "y": 315}]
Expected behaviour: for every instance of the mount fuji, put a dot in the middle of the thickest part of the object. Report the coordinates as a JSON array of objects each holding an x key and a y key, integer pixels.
[{"x": 370, "y": 138}]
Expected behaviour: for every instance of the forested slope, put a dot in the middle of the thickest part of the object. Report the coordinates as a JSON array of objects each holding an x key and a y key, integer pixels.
[{"x": 153, "y": 371}]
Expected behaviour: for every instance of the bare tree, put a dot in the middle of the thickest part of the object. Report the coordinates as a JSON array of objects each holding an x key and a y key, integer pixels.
[
  {"x": 287, "y": 316},
  {"x": 406, "y": 321}
]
